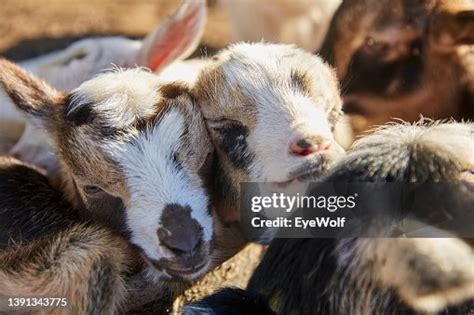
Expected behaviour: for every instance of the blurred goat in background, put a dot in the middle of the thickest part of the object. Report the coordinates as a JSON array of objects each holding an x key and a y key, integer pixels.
[
  {"x": 300, "y": 22},
  {"x": 402, "y": 59}
]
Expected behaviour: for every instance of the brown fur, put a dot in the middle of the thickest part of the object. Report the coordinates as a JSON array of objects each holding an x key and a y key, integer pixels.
[
  {"x": 78, "y": 132},
  {"x": 51, "y": 251},
  {"x": 367, "y": 35},
  {"x": 240, "y": 87},
  {"x": 82, "y": 264}
]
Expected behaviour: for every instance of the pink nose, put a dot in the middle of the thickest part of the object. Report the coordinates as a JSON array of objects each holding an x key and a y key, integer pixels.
[{"x": 304, "y": 147}]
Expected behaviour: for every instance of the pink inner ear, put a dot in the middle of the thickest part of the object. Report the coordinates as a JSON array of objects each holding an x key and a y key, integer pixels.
[{"x": 174, "y": 39}]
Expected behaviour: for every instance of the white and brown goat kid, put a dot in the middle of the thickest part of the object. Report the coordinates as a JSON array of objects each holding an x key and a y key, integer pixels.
[
  {"x": 271, "y": 110},
  {"x": 131, "y": 153},
  {"x": 174, "y": 39}
]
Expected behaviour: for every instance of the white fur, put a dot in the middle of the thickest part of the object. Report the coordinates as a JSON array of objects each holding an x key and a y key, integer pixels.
[
  {"x": 300, "y": 22},
  {"x": 426, "y": 132},
  {"x": 183, "y": 71},
  {"x": 284, "y": 113},
  {"x": 110, "y": 91},
  {"x": 154, "y": 181},
  {"x": 68, "y": 68}
]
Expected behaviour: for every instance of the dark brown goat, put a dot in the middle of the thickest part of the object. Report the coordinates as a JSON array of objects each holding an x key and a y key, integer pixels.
[{"x": 403, "y": 59}]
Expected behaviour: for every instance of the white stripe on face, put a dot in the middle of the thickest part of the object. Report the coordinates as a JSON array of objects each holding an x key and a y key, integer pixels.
[
  {"x": 155, "y": 181},
  {"x": 280, "y": 118}
]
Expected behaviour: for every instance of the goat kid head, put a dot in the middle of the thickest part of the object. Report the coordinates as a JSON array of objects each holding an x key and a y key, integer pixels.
[
  {"x": 134, "y": 155},
  {"x": 391, "y": 56},
  {"x": 175, "y": 38},
  {"x": 270, "y": 110}
]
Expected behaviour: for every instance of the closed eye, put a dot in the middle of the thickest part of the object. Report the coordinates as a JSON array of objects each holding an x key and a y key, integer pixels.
[
  {"x": 92, "y": 190},
  {"x": 218, "y": 123}
]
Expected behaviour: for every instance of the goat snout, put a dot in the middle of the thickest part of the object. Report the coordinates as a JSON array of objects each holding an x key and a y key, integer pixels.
[
  {"x": 307, "y": 146},
  {"x": 179, "y": 232},
  {"x": 180, "y": 242}
]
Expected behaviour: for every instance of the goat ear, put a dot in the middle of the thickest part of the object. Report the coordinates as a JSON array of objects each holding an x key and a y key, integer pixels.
[
  {"x": 452, "y": 24},
  {"x": 176, "y": 37},
  {"x": 29, "y": 94}
]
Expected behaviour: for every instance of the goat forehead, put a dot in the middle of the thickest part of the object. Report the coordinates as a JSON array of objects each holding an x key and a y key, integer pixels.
[
  {"x": 278, "y": 88},
  {"x": 117, "y": 99},
  {"x": 136, "y": 153},
  {"x": 151, "y": 149},
  {"x": 277, "y": 69}
]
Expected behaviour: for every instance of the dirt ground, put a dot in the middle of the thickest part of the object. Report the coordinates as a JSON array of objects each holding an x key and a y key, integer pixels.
[{"x": 32, "y": 27}]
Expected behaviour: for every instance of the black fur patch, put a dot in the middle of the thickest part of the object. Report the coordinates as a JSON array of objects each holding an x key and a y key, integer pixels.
[
  {"x": 229, "y": 301},
  {"x": 300, "y": 81},
  {"x": 27, "y": 217},
  {"x": 222, "y": 184},
  {"x": 185, "y": 231},
  {"x": 109, "y": 211},
  {"x": 207, "y": 170},
  {"x": 81, "y": 116},
  {"x": 234, "y": 143},
  {"x": 173, "y": 90}
]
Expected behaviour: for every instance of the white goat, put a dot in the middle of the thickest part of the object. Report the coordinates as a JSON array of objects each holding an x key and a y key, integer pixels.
[{"x": 300, "y": 22}]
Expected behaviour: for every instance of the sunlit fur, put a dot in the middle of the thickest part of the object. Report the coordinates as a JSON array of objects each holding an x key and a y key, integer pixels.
[
  {"x": 258, "y": 98},
  {"x": 139, "y": 144},
  {"x": 66, "y": 69},
  {"x": 372, "y": 275}
]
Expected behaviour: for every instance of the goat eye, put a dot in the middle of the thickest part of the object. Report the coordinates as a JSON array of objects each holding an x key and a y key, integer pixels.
[
  {"x": 372, "y": 45},
  {"x": 218, "y": 123},
  {"x": 78, "y": 55},
  {"x": 467, "y": 175},
  {"x": 91, "y": 189},
  {"x": 467, "y": 178}
]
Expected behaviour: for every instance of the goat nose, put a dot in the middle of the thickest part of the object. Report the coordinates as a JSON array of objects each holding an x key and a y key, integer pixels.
[
  {"x": 179, "y": 243},
  {"x": 179, "y": 232},
  {"x": 304, "y": 147}
]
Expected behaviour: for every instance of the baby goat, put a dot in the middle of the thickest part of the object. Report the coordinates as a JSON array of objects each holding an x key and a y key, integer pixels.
[
  {"x": 270, "y": 110},
  {"x": 43, "y": 242},
  {"x": 300, "y": 22},
  {"x": 378, "y": 275},
  {"x": 259, "y": 101},
  {"x": 174, "y": 39},
  {"x": 133, "y": 156},
  {"x": 391, "y": 55}
]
